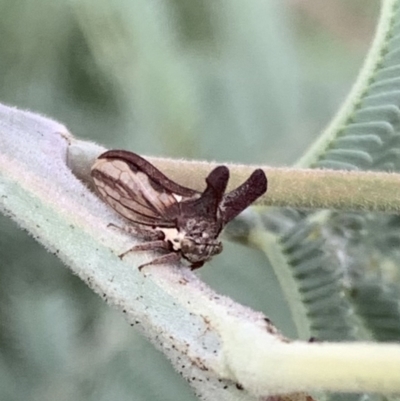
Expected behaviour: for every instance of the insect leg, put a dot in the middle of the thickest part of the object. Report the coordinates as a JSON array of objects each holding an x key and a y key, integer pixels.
[
  {"x": 146, "y": 246},
  {"x": 196, "y": 265},
  {"x": 147, "y": 234},
  {"x": 169, "y": 258}
]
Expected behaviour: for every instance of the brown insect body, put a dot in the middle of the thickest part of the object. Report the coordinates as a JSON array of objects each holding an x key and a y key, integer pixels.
[{"x": 182, "y": 221}]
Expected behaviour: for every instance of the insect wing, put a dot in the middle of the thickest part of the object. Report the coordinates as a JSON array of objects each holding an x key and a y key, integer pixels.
[
  {"x": 137, "y": 190},
  {"x": 137, "y": 162}
]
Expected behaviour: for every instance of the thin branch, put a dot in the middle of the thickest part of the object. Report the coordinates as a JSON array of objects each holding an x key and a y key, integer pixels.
[{"x": 287, "y": 187}]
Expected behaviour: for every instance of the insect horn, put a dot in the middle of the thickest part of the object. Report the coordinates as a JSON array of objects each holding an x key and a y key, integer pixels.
[
  {"x": 240, "y": 198},
  {"x": 217, "y": 181},
  {"x": 210, "y": 199}
]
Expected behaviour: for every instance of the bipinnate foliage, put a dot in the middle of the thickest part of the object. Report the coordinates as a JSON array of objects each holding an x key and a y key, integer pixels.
[{"x": 344, "y": 267}]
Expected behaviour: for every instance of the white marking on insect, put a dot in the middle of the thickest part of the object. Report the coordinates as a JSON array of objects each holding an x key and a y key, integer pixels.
[
  {"x": 173, "y": 236},
  {"x": 177, "y": 197}
]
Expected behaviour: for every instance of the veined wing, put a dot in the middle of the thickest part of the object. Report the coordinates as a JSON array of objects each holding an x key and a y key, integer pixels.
[{"x": 137, "y": 190}]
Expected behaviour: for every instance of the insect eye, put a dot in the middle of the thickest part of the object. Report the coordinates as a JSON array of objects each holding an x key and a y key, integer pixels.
[{"x": 187, "y": 243}]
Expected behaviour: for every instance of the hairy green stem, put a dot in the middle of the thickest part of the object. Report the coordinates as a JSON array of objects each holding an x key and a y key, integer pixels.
[
  {"x": 287, "y": 187},
  {"x": 304, "y": 188}
]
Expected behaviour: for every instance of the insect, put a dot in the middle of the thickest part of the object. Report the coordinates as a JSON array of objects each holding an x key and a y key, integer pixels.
[{"x": 182, "y": 222}]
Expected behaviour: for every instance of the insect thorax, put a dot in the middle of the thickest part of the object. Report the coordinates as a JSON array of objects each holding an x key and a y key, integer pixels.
[
  {"x": 200, "y": 242},
  {"x": 196, "y": 239},
  {"x": 196, "y": 227}
]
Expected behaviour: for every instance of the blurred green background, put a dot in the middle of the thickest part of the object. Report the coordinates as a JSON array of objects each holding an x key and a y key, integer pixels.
[{"x": 243, "y": 81}]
